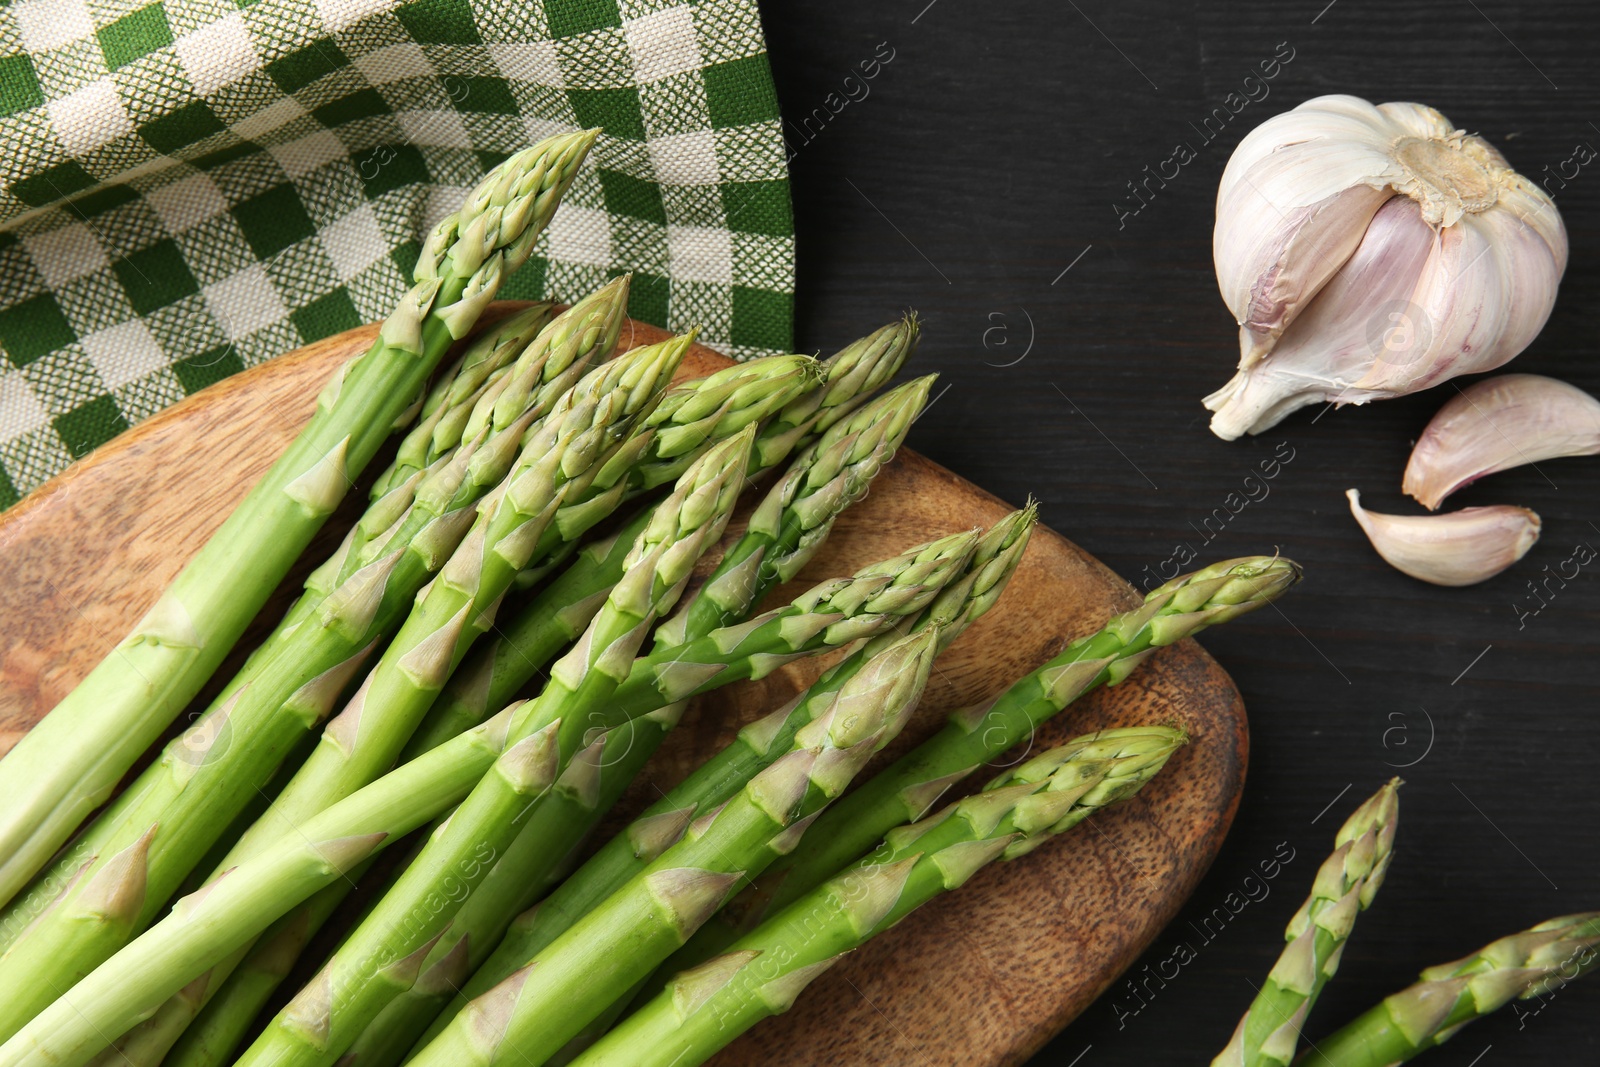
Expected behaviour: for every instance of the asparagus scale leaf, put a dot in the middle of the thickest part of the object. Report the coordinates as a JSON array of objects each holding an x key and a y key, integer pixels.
[
  {"x": 761, "y": 975},
  {"x": 69, "y": 763}
]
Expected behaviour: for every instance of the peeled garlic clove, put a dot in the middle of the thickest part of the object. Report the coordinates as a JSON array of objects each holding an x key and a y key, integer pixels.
[
  {"x": 1457, "y": 548},
  {"x": 1497, "y": 424}
]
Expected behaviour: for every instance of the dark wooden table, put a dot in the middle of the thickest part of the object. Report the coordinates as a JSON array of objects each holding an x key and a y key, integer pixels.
[{"x": 981, "y": 176}]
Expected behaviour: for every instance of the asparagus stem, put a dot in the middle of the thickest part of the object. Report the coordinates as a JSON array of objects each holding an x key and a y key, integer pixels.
[
  {"x": 661, "y": 825},
  {"x": 381, "y": 957},
  {"x": 532, "y": 1014},
  {"x": 1525, "y": 966},
  {"x": 206, "y": 926},
  {"x": 69, "y": 763},
  {"x": 785, "y": 531},
  {"x": 907, "y": 789},
  {"x": 148, "y": 843},
  {"x": 705, "y": 1008},
  {"x": 1345, "y": 885}
]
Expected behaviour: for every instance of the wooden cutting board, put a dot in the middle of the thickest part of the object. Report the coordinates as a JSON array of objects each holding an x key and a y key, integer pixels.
[{"x": 983, "y": 976}]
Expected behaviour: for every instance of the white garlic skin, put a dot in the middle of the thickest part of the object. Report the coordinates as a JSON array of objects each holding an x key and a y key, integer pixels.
[
  {"x": 1496, "y": 424},
  {"x": 1456, "y": 548},
  {"x": 1318, "y": 202}
]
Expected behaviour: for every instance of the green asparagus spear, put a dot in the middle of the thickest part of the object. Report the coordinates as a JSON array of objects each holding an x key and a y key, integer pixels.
[
  {"x": 380, "y": 958},
  {"x": 1346, "y": 883},
  {"x": 69, "y": 763},
  {"x": 205, "y": 926},
  {"x": 708, "y": 409},
  {"x": 1528, "y": 965},
  {"x": 532, "y": 1014},
  {"x": 704, "y": 1009},
  {"x": 756, "y": 746},
  {"x": 784, "y": 532},
  {"x": 908, "y": 788},
  {"x": 149, "y": 842}
]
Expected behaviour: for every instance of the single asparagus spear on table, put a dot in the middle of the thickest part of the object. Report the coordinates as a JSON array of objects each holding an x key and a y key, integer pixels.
[
  {"x": 908, "y": 788},
  {"x": 761, "y": 975},
  {"x": 137, "y": 854},
  {"x": 379, "y": 959},
  {"x": 1345, "y": 885},
  {"x": 783, "y": 533},
  {"x": 532, "y": 636},
  {"x": 531, "y": 1015},
  {"x": 1527, "y": 965},
  {"x": 70, "y": 762},
  {"x": 662, "y": 824},
  {"x": 701, "y": 414}
]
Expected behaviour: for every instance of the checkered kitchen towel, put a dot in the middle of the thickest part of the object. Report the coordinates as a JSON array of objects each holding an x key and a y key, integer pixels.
[{"x": 190, "y": 187}]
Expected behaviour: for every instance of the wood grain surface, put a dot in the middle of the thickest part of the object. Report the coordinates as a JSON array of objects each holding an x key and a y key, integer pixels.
[{"x": 983, "y": 976}]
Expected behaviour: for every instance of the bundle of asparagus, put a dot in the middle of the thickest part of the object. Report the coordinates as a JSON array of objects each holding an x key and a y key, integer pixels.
[{"x": 554, "y": 498}]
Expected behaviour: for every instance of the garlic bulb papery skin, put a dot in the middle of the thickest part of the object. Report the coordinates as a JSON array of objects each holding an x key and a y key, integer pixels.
[
  {"x": 1457, "y": 548},
  {"x": 1496, "y": 424},
  {"x": 1370, "y": 251}
]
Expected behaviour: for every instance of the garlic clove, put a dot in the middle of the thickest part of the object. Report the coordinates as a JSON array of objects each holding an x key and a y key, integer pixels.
[
  {"x": 1457, "y": 548},
  {"x": 1497, "y": 424},
  {"x": 1273, "y": 272},
  {"x": 1323, "y": 194},
  {"x": 1482, "y": 297},
  {"x": 1364, "y": 312}
]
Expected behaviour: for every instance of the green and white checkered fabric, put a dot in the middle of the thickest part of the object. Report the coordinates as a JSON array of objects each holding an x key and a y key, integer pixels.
[{"x": 191, "y": 187}]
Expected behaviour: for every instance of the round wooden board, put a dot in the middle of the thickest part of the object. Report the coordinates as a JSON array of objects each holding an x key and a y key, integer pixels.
[{"x": 983, "y": 976}]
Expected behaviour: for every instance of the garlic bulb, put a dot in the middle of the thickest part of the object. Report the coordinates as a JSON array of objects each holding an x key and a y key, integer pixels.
[
  {"x": 1457, "y": 548},
  {"x": 1372, "y": 251},
  {"x": 1496, "y": 424}
]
